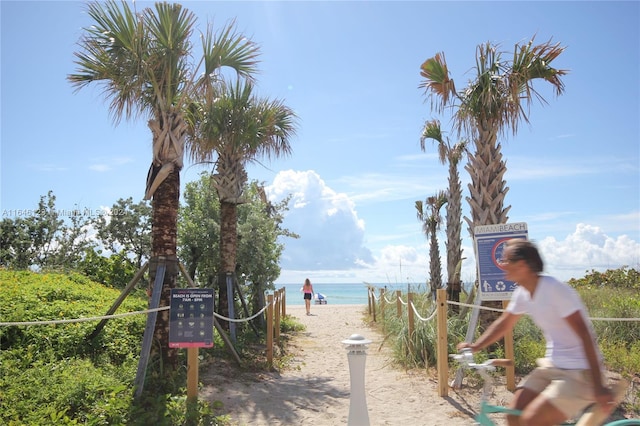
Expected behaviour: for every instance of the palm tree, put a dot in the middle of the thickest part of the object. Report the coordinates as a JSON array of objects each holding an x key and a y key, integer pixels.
[
  {"x": 431, "y": 222},
  {"x": 143, "y": 62},
  {"x": 234, "y": 129},
  {"x": 451, "y": 154},
  {"x": 496, "y": 101}
]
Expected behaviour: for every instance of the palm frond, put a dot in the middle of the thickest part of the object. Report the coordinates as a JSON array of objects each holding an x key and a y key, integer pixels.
[
  {"x": 112, "y": 54},
  {"x": 437, "y": 83},
  {"x": 170, "y": 29},
  {"x": 228, "y": 48}
]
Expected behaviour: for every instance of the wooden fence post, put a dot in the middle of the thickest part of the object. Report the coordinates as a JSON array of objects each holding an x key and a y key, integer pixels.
[
  {"x": 270, "y": 330},
  {"x": 192, "y": 374},
  {"x": 283, "y": 291},
  {"x": 382, "y": 307},
  {"x": 442, "y": 348},
  {"x": 276, "y": 326},
  {"x": 373, "y": 304}
]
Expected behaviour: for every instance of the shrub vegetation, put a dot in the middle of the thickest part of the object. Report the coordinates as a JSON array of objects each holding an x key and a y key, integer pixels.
[
  {"x": 54, "y": 375},
  {"x": 614, "y": 294}
]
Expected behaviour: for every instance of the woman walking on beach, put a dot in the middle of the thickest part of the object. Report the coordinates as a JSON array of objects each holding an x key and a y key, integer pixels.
[{"x": 307, "y": 289}]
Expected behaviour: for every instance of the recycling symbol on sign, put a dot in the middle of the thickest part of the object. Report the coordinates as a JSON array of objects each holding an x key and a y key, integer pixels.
[{"x": 500, "y": 286}]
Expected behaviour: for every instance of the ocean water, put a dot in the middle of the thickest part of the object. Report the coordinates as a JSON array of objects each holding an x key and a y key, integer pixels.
[{"x": 340, "y": 294}]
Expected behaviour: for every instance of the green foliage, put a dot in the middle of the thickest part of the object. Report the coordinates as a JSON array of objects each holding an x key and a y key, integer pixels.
[
  {"x": 199, "y": 231},
  {"x": 258, "y": 251},
  {"x": 528, "y": 345},
  {"x": 418, "y": 350},
  {"x": 115, "y": 271},
  {"x": 289, "y": 324},
  {"x": 621, "y": 278},
  {"x": 52, "y": 371},
  {"x": 50, "y": 239},
  {"x": 65, "y": 391},
  {"x": 125, "y": 228},
  {"x": 612, "y": 294},
  {"x": 28, "y": 296},
  {"x": 172, "y": 410},
  {"x": 45, "y": 237},
  {"x": 51, "y": 374},
  {"x": 624, "y": 359}
]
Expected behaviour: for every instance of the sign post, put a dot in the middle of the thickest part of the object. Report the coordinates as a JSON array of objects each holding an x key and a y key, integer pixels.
[
  {"x": 191, "y": 318},
  {"x": 490, "y": 241},
  {"x": 191, "y": 327}
]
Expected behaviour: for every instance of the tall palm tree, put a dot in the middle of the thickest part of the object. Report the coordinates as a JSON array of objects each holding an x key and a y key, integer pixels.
[
  {"x": 451, "y": 155},
  {"x": 143, "y": 62},
  {"x": 234, "y": 129},
  {"x": 494, "y": 102},
  {"x": 431, "y": 220}
]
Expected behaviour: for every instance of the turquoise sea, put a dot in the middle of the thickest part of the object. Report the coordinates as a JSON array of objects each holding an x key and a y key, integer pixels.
[{"x": 340, "y": 294}]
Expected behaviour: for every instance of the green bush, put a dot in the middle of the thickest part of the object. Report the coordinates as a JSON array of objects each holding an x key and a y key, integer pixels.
[
  {"x": 54, "y": 374},
  {"x": 612, "y": 294},
  {"x": 27, "y": 296},
  {"x": 67, "y": 391}
]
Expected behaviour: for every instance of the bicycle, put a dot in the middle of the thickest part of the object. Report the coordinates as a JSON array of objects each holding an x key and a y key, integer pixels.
[{"x": 591, "y": 416}]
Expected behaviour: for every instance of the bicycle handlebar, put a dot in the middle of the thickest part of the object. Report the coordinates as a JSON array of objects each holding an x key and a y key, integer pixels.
[
  {"x": 466, "y": 358},
  {"x": 501, "y": 362}
]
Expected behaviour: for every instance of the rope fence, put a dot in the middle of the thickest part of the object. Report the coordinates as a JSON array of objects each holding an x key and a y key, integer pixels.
[
  {"x": 275, "y": 308},
  {"x": 384, "y": 300},
  {"x": 275, "y": 311},
  {"x": 440, "y": 314}
]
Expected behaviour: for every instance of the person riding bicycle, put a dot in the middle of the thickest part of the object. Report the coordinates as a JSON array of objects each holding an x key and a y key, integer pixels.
[{"x": 573, "y": 378}]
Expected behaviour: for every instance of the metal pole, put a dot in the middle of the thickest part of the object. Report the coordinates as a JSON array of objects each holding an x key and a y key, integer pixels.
[
  {"x": 232, "y": 314},
  {"x": 147, "y": 338},
  {"x": 457, "y": 381}
]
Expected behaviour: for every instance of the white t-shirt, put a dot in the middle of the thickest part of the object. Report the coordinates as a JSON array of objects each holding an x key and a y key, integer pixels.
[{"x": 552, "y": 302}]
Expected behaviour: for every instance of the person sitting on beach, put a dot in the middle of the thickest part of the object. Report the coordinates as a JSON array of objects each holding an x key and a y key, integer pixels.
[{"x": 307, "y": 289}]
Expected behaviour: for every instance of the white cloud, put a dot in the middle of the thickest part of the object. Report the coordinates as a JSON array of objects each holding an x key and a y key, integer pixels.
[
  {"x": 586, "y": 249},
  {"x": 531, "y": 168},
  {"x": 331, "y": 234},
  {"x": 335, "y": 248},
  {"x": 99, "y": 168},
  {"x": 106, "y": 164}
]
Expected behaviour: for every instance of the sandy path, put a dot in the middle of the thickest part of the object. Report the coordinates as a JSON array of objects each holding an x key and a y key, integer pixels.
[{"x": 315, "y": 388}]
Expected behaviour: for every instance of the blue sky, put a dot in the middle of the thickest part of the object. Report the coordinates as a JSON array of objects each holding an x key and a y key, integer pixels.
[{"x": 350, "y": 70}]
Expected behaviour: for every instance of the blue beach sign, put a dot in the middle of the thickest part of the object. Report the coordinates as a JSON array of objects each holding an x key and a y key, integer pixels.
[{"x": 489, "y": 245}]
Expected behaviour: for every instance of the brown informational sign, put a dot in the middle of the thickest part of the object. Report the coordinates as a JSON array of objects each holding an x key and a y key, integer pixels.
[{"x": 191, "y": 318}]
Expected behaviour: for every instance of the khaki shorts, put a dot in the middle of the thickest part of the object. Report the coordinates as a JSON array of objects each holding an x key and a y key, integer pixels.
[{"x": 570, "y": 391}]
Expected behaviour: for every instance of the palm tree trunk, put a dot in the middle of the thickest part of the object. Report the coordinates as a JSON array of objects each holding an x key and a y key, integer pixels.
[
  {"x": 454, "y": 230},
  {"x": 435, "y": 269},
  {"x": 228, "y": 253},
  {"x": 487, "y": 168},
  {"x": 163, "y": 249}
]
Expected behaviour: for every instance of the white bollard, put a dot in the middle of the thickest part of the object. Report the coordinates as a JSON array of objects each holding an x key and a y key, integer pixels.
[{"x": 357, "y": 347}]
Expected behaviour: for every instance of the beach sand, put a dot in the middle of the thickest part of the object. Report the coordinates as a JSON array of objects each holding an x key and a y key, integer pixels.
[{"x": 313, "y": 388}]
